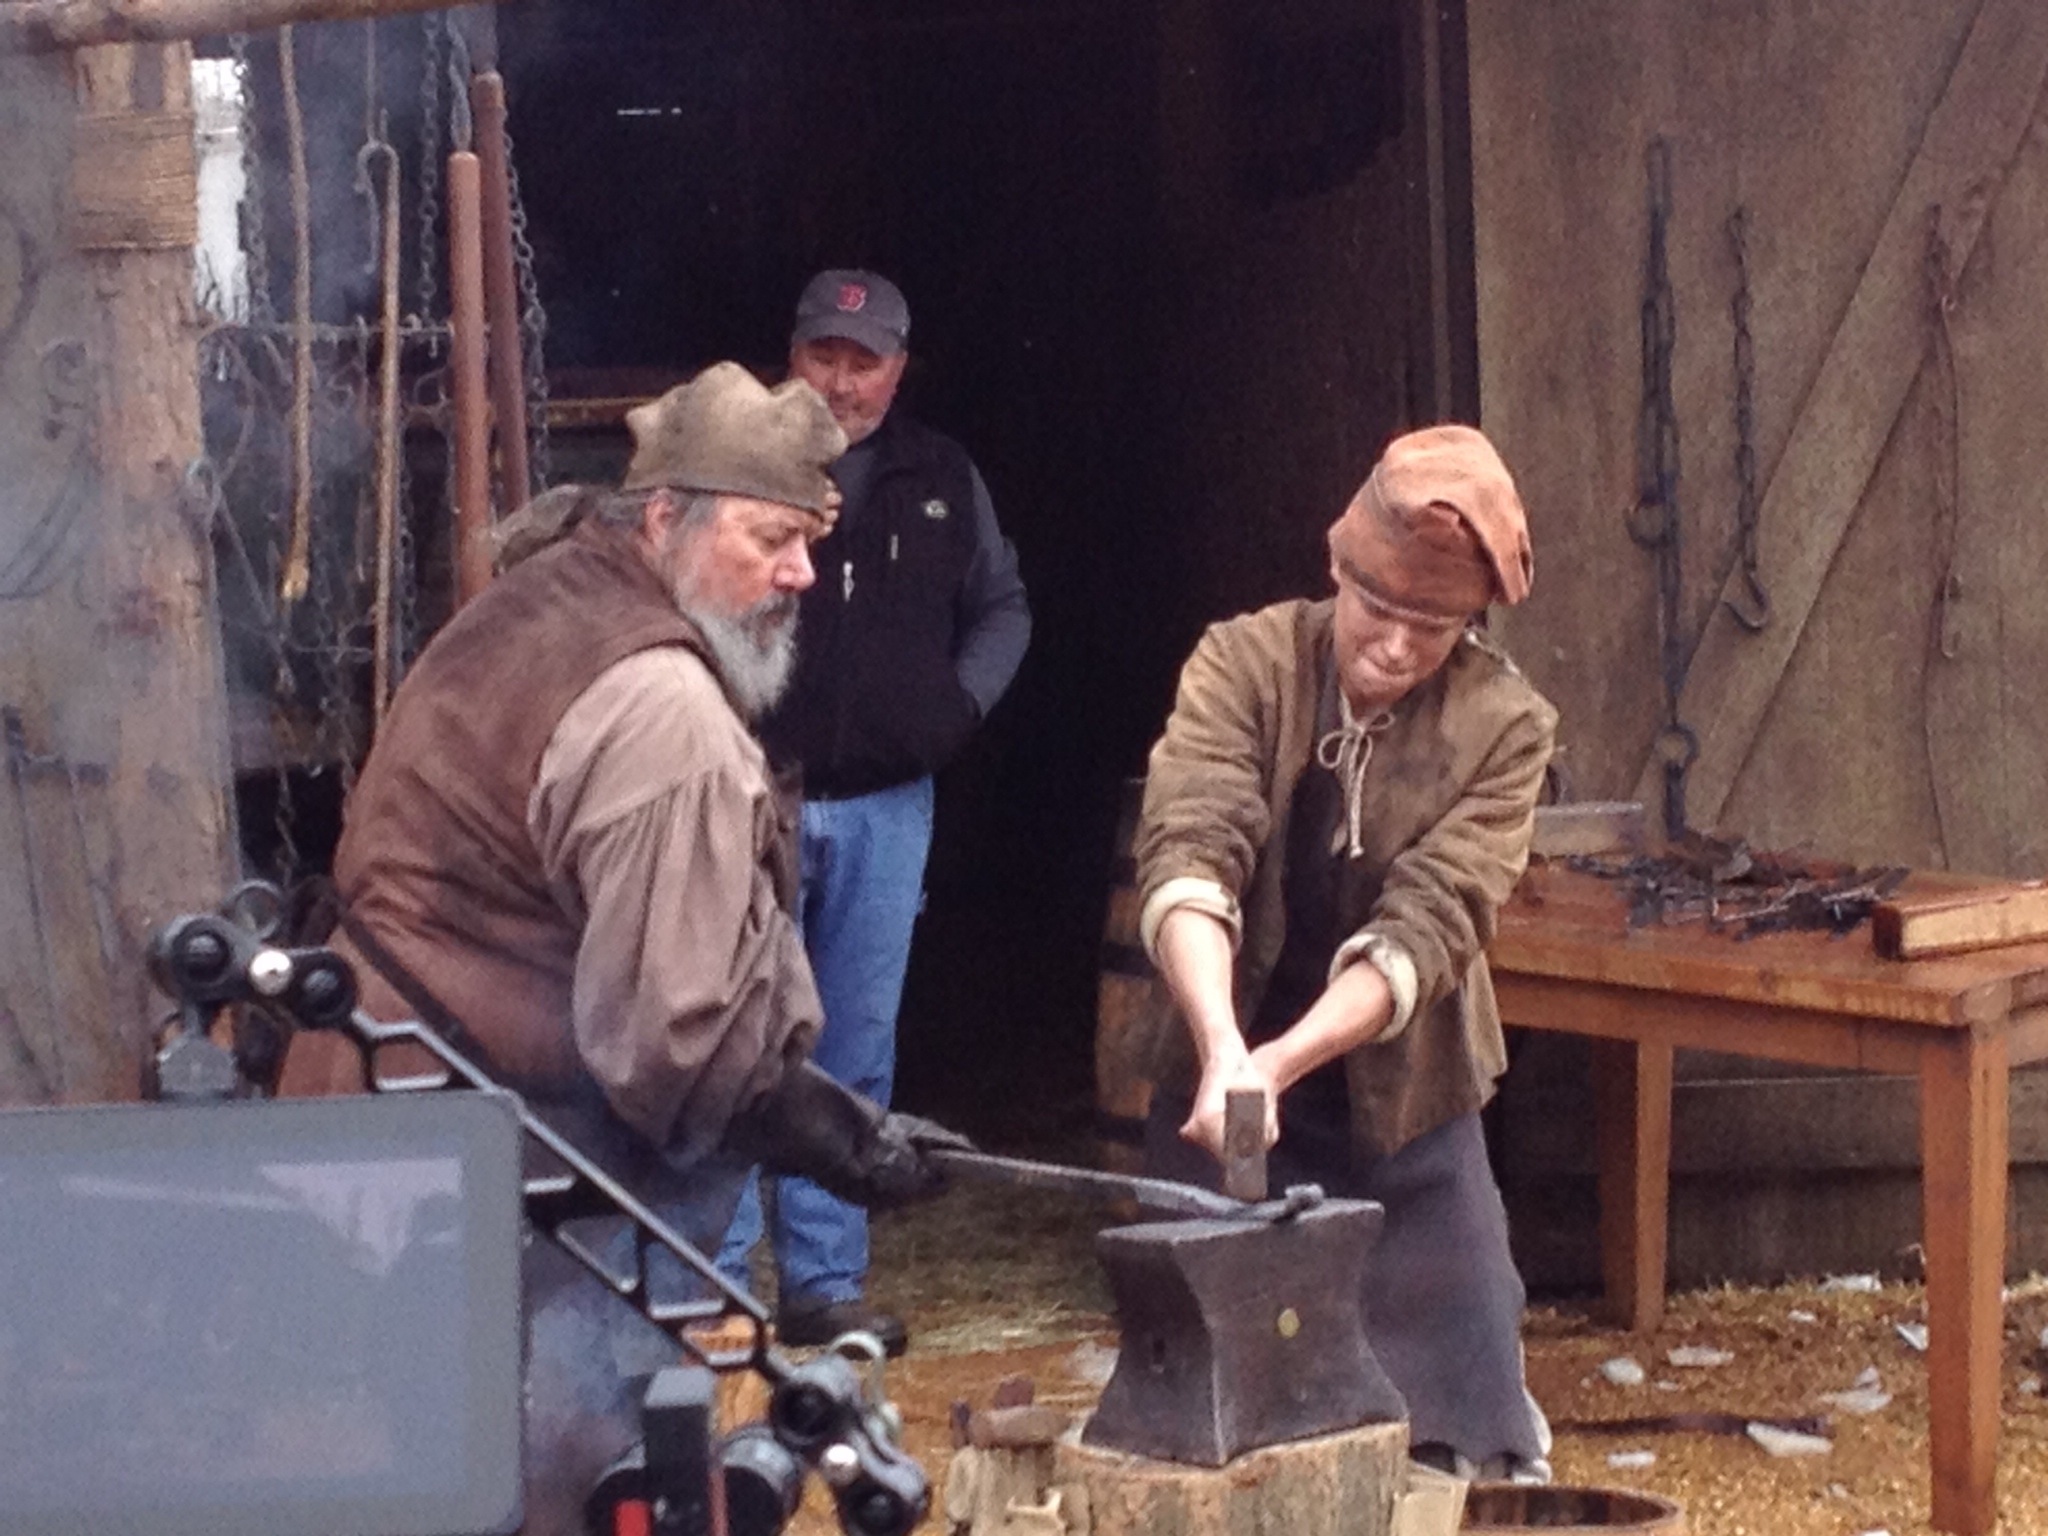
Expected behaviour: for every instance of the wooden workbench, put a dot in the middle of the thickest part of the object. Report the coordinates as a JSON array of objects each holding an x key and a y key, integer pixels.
[{"x": 1565, "y": 960}]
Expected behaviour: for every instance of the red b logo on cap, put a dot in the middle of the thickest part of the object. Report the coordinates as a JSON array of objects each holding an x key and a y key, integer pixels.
[{"x": 852, "y": 296}]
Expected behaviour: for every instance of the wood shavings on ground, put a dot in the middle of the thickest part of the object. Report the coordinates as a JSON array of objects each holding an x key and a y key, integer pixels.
[
  {"x": 1875, "y": 1476},
  {"x": 999, "y": 1282},
  {"x": 1698, "y": 1357}
]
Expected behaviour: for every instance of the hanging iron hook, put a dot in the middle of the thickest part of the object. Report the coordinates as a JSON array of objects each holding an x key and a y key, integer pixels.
[
  {"x": 366, "y": 188},
  {"x": 1757, "y": 617}
]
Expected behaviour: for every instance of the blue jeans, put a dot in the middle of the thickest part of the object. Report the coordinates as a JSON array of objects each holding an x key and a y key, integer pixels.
[{"x": 863, "y": 882}]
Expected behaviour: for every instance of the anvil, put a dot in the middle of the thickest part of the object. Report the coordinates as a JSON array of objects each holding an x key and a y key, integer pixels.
[{"x": 1241, "y": 1333}]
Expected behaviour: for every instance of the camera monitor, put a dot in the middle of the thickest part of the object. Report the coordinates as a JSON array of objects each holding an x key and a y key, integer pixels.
[{"x": 277, "y": 1318}]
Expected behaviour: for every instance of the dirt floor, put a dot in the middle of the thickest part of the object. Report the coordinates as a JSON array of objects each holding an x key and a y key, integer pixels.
[{"x": 999, "y": 1282}]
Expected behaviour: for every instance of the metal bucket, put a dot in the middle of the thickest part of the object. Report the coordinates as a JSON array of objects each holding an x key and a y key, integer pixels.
[{"x": 1509, "y": 1509}]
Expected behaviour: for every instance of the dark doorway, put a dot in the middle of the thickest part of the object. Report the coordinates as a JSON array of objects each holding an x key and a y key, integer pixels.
[{"x": 1169, "y": 269}]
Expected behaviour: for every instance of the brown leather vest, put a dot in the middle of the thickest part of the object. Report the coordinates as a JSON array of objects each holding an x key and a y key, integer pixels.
[{"x": 435, "y": 861}]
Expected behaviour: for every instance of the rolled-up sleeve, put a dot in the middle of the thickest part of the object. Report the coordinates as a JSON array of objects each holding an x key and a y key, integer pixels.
[{"x": 654, "y": 818}]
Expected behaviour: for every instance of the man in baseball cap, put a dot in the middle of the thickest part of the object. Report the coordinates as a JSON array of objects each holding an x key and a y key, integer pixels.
[
  {"x": 1342, "y": 799},
  {"x": 566, "y": 849},
  {"x": 861, "y": 307},
  {"x": 913, "y": 632}
]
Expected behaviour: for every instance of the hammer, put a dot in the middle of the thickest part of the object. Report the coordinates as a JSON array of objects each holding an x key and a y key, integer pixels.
[{"x": 1244, "y": 1144}]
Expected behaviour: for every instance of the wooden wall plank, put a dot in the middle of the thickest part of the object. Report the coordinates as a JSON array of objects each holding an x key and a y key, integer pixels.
[
  {"x": 1808, "y": 115},
  {"x": 1878, "y": 746},
  {"x": 1818, "y": 1125},
  {"x": 157, "y": 687},
  {"x": 1986, "y": 728},
  {"x": 1849, "y": 413},
  {"x": 1840, "y": 761},
  {"x": 48, "y": 521},
  {"x": 1559, "y": 117}
]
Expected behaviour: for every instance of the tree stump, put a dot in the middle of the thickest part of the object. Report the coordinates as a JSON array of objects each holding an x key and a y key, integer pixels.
[{"x": 1346, "y": 1482}]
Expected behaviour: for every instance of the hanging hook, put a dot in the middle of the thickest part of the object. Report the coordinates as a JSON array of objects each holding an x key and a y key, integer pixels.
[
  {"x": 366, "y": 188},
  {"x": 1756, "y": 618}
]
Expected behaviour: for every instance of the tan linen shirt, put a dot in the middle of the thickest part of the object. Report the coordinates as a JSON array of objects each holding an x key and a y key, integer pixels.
[
  {"x": 1449, "y": 798},
  {"x": 651, "y": 814}
]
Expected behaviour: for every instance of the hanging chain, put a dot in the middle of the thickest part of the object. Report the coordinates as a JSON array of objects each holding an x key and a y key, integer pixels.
[
  {"x": 376, "y": 135},
  {"x": 255, "y": 238},
  {"x": 1654, "y": 522},
  {"x": 373, "y": 86},
  {"x": 405, "y": 628},
  {"x": 461, "y": 126},
  {"x": 1941, "y": 305},
  {"x": 433, "y": 32},
  {"x": 1944, "y": 643},
  {"x": 533, "y": 325},
  {"x": 284, "y": 680},
  {"x": 1757, "y": 614},
  {"x": 305, "y": 666},
  {"x": 332, "y": 656}
]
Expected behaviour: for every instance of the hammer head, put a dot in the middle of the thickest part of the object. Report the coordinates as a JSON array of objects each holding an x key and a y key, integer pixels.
[{"x": 1237, "y": 1335}]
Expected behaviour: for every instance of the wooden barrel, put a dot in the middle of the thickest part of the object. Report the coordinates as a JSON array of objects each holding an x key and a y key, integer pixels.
[
  {"x": 1130, "y": 1005},
  {"x": 1509, "y": 1509}
]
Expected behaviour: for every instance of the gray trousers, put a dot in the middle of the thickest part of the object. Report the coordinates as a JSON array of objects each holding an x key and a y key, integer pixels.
[{"x": 1443, "y": 1302}]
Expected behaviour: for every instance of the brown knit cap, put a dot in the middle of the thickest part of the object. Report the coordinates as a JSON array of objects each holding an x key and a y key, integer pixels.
[
  {"x": 728, "y": 433},
  {"x": 1438, "y": 526}
]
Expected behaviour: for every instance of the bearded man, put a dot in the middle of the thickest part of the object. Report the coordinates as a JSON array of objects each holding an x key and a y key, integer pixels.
[
  {"x": 1341, "y": 801},
  {"x": 566, "y": 851}
]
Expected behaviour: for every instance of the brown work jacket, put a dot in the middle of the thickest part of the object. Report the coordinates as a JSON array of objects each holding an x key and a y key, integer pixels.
[{"x": 1449, "y": 807}]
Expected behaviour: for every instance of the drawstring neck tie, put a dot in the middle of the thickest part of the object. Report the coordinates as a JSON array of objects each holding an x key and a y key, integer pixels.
[{"x": 1345, "y": 752}]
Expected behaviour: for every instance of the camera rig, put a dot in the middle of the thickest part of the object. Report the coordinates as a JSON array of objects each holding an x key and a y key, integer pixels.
[{"x": 827, "y": 1416}]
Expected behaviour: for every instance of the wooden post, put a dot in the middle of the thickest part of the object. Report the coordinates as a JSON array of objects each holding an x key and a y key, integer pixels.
[
  {"x": 501, "y": 290},
  {"x": 151, "y": 582},
  {"x": 1965, "y": 1139},
  {"x": 467, "y": 388},
  {"x": 1632, "y": 1114}
]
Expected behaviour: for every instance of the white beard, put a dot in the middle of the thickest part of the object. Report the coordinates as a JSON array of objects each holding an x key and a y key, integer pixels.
[{"x": 755, "y": 652}]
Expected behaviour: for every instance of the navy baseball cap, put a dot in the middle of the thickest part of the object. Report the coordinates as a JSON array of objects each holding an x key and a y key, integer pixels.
[{"x": 864, "y": 307}]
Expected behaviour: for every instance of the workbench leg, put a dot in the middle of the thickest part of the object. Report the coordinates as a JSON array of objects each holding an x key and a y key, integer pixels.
[
  {"x": 1964, "y": 1135},
  {"x": 1632, "y": 1114}
]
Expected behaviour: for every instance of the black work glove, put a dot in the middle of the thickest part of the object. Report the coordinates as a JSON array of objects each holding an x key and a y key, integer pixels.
[{"x": 815, "y": 1128}]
